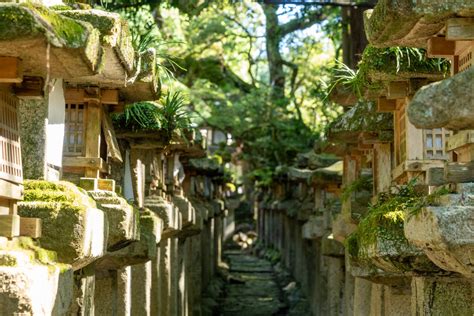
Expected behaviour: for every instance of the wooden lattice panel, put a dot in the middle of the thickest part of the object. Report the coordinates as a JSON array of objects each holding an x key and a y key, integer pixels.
[
  {"x": 434, "y": 141},
  {"x": 74, "y": 134},
  {"x": 10, "y": 149}
]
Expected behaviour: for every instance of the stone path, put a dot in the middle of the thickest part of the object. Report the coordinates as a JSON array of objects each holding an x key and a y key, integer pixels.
[{"x": 252, "y": 289}]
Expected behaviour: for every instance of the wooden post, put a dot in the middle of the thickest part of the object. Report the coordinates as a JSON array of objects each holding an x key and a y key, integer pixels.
[
  {"x": 93, "y": 128},
  {"x": 382, "y": 167}
]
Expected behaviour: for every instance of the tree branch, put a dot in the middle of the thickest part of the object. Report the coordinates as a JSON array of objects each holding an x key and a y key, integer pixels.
[{"x": 307, "y": 20}]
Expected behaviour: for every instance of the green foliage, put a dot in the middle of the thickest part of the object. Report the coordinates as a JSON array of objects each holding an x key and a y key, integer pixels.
[
  {"x": 391, "y": 60},
  {"x": 262, "y": 177},
  {"x": 139, "y": 116},
  {"x": 385, "y": 218},
  {"x": 272, "y": 255},
  {"x": 170, "y": 117},
  {"x": 363, "y": 183}
]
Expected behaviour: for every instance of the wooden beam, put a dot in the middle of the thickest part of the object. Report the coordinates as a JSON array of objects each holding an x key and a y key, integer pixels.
[
  {"x": 456, "y": 172},
  {"x": 439, "y": 47},
  {"x": 30, "y": 89},
  {"x": 460, "y": 139},
  {"x": 74, "y": 95},
  {"x": 10, "y": 70},
  {"x": 84, "y": 162},
  {"x": 386, "y": 105},
  {"x": 93, "y": 137},
  {"x": 92, "y": 94},
  {"x": 460, "y": 29},
  {"x": 10, "y": 190},
  {"x": 110, "y": 138},
  {"x": 397, "y": 90},
  {"x": 30, "y": 227},
  {"x": 9, "y": 225},
  {"x": 109, "y": 96}
]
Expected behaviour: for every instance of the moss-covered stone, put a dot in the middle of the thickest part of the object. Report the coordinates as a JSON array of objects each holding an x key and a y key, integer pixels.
[
  {"x": 330, "y": 174},
  {"x": 33, "y": 21},
  {"x": 360, "y": 118},
  {"x": 411, "y": 23},
  {"x": 123, "y": 219},
  {"x": 139, "y": 251},
  {"x": 32, "y": 115},
  {"x": 29, "y": 20},
  {"x": 380, "y": 239},
  {"x": 72, "y": 226}
]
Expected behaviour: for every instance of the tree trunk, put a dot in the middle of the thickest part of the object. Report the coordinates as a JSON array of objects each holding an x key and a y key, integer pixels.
[{"x": 275, "y": 60}]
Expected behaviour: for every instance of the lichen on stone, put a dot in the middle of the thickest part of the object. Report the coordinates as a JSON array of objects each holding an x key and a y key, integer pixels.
[
  {"x": 360, "y": 118},
  {"x": 61, "y": 206}
]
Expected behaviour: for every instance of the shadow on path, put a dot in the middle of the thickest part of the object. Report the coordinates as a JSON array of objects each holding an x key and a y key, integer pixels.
[{"x": 251, "y": 288}]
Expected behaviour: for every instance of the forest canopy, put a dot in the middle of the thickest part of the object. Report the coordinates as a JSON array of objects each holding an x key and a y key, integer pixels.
[{"x": 256, "y": 71}]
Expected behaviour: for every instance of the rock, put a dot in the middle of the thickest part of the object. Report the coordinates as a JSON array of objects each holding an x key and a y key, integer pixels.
[
  {"x": 33, "y": 283},
  {"x": 122, "y": 217},
  {"x": 331, "y": 247},
  {"x": 172, "y": 221},
  {"x": 72, "y": 225},
  {"x": 442, "y": 296},
  {"x": 448, "y": 103},
  {"x": 445, "y": 235},
  {"x": 360, "y": 118},
  {"x": 314, "y": 228},
  {"x": 139, "y": 251}
]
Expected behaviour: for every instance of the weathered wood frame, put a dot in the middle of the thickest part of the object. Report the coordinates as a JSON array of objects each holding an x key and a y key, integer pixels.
[{"x": 96, "y": 121}]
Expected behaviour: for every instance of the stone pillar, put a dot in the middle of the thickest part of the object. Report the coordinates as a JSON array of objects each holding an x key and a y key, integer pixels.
[
  {"x": 218, "y": 241},
  {"x": 205, "y": 254},
  {"x": 33, "y": 116},
  {"x": 335, "y": 286},
  {"x": 182, "y": 306},
  {"x": 165, "y": 277},
  {"x": 84, "y": 289},
  {"x": 113, "y": 295},
  {"x": 141, "y": 289},
  {"x": 174, "y": 276},
  {"x": 156, "y": 284},
  {"x": 42, "y": 134},
  {"x": 442, "y": 296},
  {"x": 362, "y": 296},
  {"x": 349, "y": 283}
]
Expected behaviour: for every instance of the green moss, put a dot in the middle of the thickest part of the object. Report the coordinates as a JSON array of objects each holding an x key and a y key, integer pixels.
[
  {"x": 73, "y": 33},
  {"x": 16, "y": 22},
  {"x": 20, "y": 21},
  {"x": 61, "y": 192},
  {"x": 105, "y": 22},
  {"x": 385, "y": 219},
  {"x": 60, "y": 7},
  {"x": 8, "y": 260},
  {"x": 394, "y": 60},
  {"x": 360, "y": 118}
]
